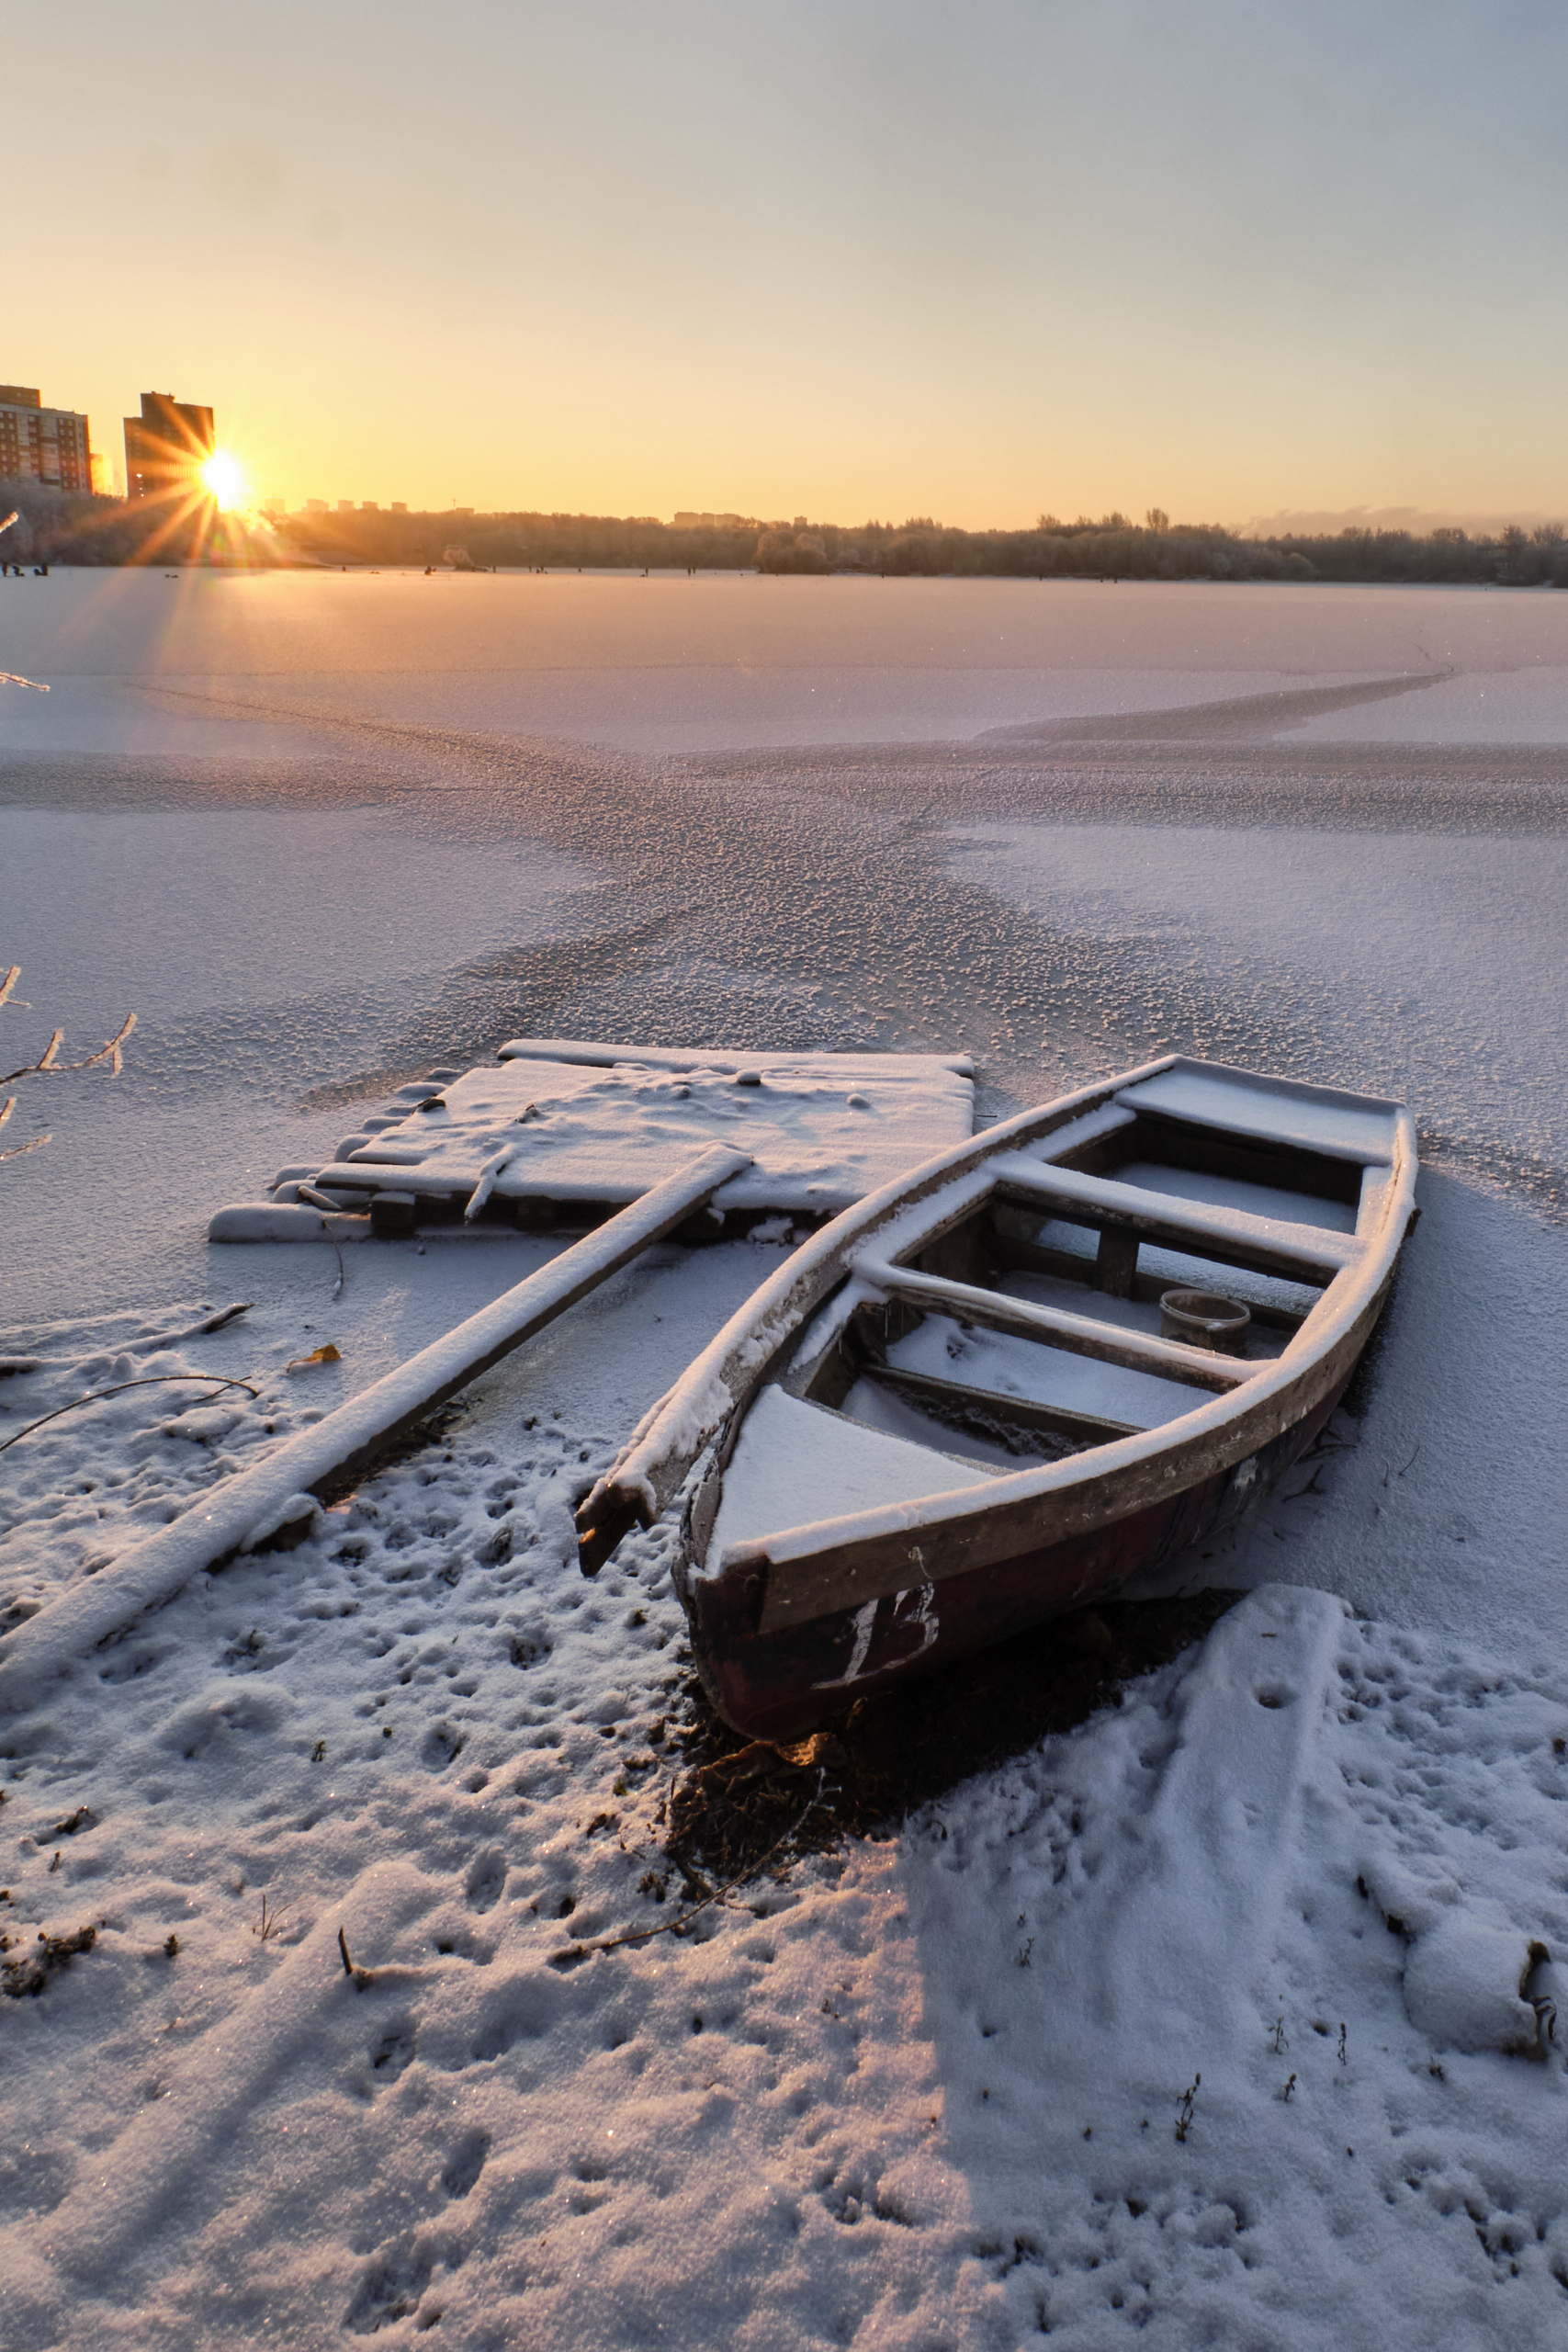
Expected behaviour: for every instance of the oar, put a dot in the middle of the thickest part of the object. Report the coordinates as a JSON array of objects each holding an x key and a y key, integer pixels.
[{"x": 340, "y": 1448}]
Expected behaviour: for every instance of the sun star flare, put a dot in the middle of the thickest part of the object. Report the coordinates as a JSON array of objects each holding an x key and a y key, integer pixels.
[{"x": 224, "y": 479}]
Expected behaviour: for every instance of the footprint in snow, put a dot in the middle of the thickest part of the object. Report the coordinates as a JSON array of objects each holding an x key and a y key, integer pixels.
[
  {"x": 486, "y": 1876},
  {"x": 389, "y": 2289},
  {"x": 394, "y": 2052},
  {"x": 465, "y": 2163},
  {"x": 441, "y": 1746}
]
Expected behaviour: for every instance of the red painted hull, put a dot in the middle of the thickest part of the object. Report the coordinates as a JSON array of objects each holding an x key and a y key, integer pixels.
[{"x": 779, "y": 1685}]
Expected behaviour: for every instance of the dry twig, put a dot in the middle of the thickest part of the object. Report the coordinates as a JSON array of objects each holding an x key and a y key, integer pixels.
[
  {"x": 1185, "y": 2106},
  {"x": 328, "y": 1207},
  {"x": 271, "y": 1923},
  {"x": 151, "y": 1380},
  {"x": 49, "y": 1064}
]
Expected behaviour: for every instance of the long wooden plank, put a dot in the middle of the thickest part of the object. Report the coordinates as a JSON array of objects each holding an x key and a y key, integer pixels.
[
  {"x": 394, "y": 1174},
  {"x": 1268, "y": 1244},
  {"x": 1079, "y": 1335},
  {"x": 342, "y": 1445}
]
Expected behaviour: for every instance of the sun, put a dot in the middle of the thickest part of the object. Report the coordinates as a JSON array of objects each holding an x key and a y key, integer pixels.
[{"x": 224, "y": 479}]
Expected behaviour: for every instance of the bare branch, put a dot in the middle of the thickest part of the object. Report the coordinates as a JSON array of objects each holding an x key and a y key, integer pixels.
[
  {"x": 47, "y": 1066},
  {"x": 110, "y": 1053}
]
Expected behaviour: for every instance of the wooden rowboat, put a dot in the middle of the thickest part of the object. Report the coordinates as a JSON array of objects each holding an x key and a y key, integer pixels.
[{"x": 959, "y": 1408}]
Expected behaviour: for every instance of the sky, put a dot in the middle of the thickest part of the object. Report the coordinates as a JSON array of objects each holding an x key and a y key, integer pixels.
[{"x": 849, "y": 258}]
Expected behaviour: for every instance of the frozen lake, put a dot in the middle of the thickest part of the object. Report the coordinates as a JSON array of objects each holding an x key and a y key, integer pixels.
[{"x": 322, "y": 830}]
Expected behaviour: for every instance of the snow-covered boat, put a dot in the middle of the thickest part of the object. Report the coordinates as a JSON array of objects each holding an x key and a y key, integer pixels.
[{"x": 1026, "y": 1373}]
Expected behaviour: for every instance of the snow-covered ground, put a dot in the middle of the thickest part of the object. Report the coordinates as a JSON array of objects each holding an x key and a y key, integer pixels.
[{"x": 325, "y": 833}]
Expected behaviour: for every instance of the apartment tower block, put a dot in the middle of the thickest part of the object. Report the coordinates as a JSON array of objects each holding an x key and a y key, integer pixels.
[
  {"x": 167, "y": 447},
  {"x": 39, "y": 444}
]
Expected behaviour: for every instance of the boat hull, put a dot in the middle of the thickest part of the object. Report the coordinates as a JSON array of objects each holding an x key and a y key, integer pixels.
[
  {"x": 780, "y": 1685},
  {"x": 883, "y": 1568}
]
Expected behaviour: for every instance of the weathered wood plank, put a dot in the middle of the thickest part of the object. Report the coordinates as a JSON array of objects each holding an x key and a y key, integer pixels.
[
  {"x": 342, "y": 1445},
  {"x": 1271, "y": 1110},
  {"x": 1079, "y": 1335},
  {"x": 1116, "y": 1262},
  {"x": 1300, "y": 1252}
]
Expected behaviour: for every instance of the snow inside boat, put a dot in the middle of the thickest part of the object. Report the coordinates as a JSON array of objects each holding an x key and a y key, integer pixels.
[{"x": 959, "y": 1408}]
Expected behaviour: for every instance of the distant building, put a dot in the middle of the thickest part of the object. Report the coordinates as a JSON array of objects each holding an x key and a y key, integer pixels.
[
  {"x": 399, "y": 506},
  {"x": 317, "y": 506},
  {"x": 103, "y": 478},
  {"x": 346, "y": 506},
  {"x": 39, "y": 444},
  {"x": 368, "y": 506},
  {"x": 167, "y": 447}
]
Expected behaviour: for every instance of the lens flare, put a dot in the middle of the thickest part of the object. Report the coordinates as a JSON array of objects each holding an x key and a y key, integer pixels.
[{"x": 225, "y": 480}]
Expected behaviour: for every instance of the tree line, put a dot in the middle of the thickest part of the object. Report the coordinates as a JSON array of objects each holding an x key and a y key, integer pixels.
[
  {"x": 78, "y": 527},
  {"x": 73, "y": 529}
]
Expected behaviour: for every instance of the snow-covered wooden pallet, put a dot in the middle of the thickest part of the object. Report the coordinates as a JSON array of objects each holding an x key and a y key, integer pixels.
[{"x": 566, "y": 1130}]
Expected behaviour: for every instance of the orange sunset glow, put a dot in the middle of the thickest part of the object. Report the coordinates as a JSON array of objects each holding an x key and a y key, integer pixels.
[{"x": 971, "y": 264}]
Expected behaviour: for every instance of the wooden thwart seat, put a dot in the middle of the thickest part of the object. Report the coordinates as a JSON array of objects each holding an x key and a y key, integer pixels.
[
  {"x": 1307, "y": 1253},
  {"x": 1321, "y": 1120},
  {"x": 1078, "y": 1334}
]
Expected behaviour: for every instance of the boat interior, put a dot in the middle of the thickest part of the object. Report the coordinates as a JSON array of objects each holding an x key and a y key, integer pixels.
[{"x": 1030, "y": 1325}]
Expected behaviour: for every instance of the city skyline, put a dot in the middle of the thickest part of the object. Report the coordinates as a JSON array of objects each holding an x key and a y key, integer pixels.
[
  {"x": 173, "y": 450},
  {"x": 1238, "y": 261}
]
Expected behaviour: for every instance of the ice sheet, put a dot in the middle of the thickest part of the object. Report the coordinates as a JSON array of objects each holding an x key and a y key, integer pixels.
[
  {"x": 664, "y": 664},
  {"x": 1411, "y": 962},
  {"x": 604, "y": 657}
]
